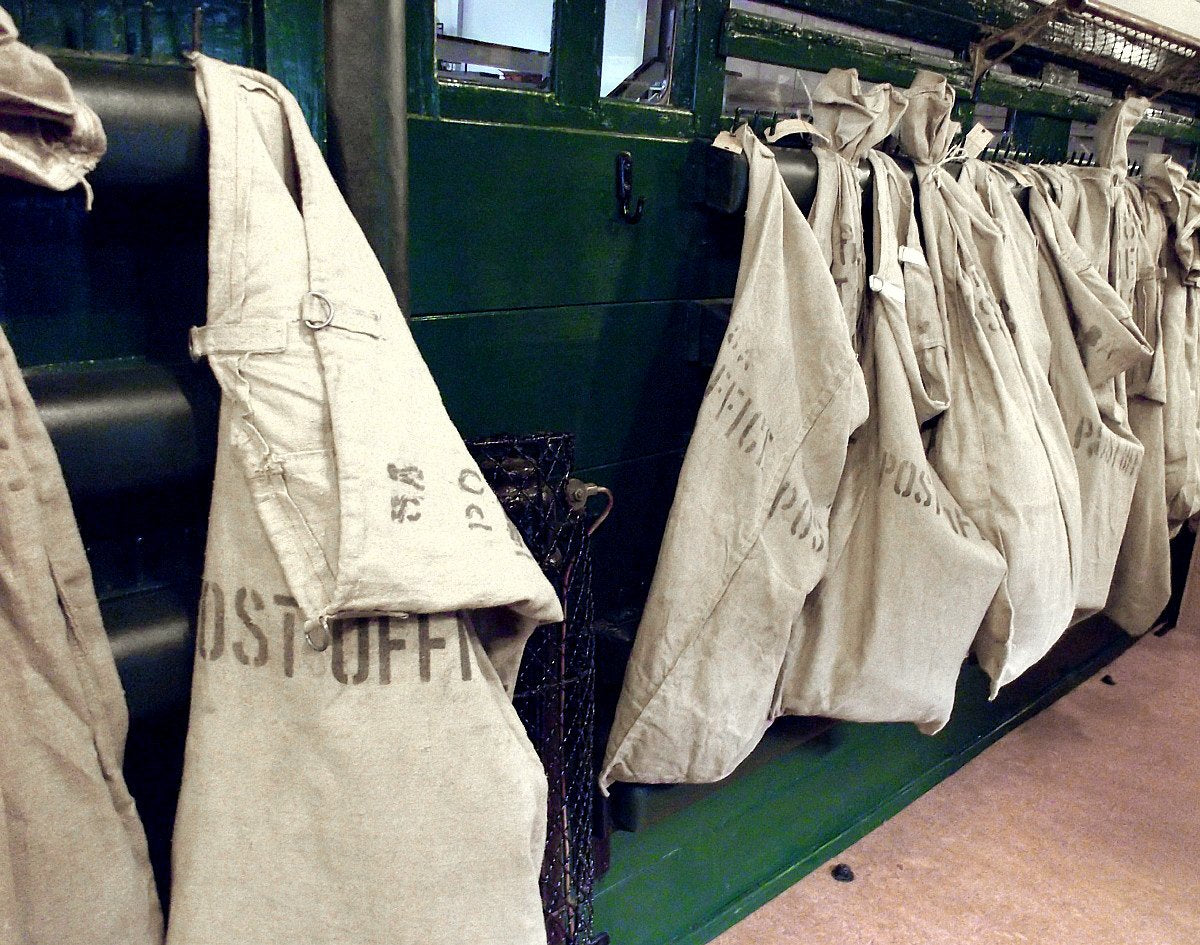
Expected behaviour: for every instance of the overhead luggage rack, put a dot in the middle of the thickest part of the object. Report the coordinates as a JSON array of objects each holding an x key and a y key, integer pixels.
[{"x": 1154, "y": 57}]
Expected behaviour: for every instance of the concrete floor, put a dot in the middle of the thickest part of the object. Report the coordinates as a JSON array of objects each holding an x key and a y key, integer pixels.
[{"x": 1082, "y": 827}]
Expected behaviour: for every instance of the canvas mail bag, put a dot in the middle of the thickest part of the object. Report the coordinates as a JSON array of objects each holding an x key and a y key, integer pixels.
[
  {"x": 747, "y": 535},
  {"x": 1164, "y": 185},
  {"x": 47, "y": 136},
  {"x": 1141, "y": 584},
  {"x": 1001, "y": 447},
  {"x": 74, "y": 868},
  {"x": 355, "y": 772},
  {"x": 884, "y": 634},
  {"x": 1093, "y": 340},
  {"x": 852, "y": 121}
]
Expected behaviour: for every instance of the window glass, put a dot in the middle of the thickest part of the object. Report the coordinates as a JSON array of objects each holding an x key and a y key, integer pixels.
[
  {"x": 495, "y": 42},
  {"x": 639, "y": 36},
  {"x": 760, "y": 86}
]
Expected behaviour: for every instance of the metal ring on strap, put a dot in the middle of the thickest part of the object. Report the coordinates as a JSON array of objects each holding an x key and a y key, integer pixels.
[
  {"x": 317, "y": 326},
  {"x": 318, "y": 634}
]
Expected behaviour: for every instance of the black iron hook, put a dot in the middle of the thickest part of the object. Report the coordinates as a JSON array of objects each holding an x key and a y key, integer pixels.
[
  {"x": 198, "y": 30},
  {"x": 625, "y": 190}
]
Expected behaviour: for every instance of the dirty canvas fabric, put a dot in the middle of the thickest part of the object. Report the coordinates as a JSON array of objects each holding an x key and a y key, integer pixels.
[
  {"x": 747, "y": 536},
  {"x": 1095, "y": 202},
  {"x": 1093, "y": 340},
  {"x": 47, "y": 136},
  {"x": 354, "y": 769},
  {"x": 74, "y": 869},
  {"x": 852, "y": 121},
  {"x": 1165, "y": 185},
  {"x": 884, "y": 634},
  {"x": 1142, "y": 578},
  {"x": 993, "y": 189},
  {"x": 1001, "y": 447}
]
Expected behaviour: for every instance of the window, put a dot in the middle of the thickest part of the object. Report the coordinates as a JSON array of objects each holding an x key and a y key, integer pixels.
[
  {"x": 639, "y": 38},
  {"x": 495, "y": 42}
]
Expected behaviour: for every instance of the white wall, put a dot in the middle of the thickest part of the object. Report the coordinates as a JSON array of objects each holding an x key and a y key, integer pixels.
[
  {"x": 624, "y": 41},
  {"x": 523, "y": 23}
]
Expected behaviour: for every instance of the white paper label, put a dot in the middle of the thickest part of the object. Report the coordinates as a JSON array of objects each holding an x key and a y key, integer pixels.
[
  {"x": 727, "y": 142},
  {"x": 977, "y": 139},
  {"x": 792, "y": 126}
]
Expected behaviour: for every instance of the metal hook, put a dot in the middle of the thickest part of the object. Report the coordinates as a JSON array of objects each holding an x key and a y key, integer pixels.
[
  {"x": 625, "y": 190},
  {"x": 198, "y": 30},
  {"x": 147, "y": 29}
]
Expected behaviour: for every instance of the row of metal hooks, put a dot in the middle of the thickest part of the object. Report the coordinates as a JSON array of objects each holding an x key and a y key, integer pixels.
[
  {"x": 761, "y": 121},
  {"x": 146, "y": 46},
  {"x": 1007, "y": 148}
]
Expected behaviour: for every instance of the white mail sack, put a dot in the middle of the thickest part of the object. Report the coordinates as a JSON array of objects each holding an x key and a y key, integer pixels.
[
  {"x": 1001, "y": 448},
  {"x": 747, "y": 536},
  {"x": 883, "y": 636},
  {"x": 1141, "y": 584},
  {"x": 1094, "y": 340},
  {"x": 355, "y": 771},
  {"x": 74, "y": 868},
  {"x": 851, "y": 120}
]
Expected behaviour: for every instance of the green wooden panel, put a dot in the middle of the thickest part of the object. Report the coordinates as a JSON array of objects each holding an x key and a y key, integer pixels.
[
  {"x": 293, "y": 36},
  {"x": 1046, "y": 138},
  {"x": 612, "y": 374},
  {"x": 504, "y": 217},
  {"x": 513, "y": 106},
  {"x": 688, "y": 878},
  {"x": 625, "y": 548},
  {"x": 709, "y": 82}
]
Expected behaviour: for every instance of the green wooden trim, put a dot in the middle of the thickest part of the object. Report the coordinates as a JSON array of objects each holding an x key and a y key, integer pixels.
[
  {"x": 421, "y": 59},
  {"x": 466, "y": 101},
  {"x": 683, "y": 56},
  {"x": 686, "y": 879},
  {"x": 709, "y": 65},
  {"x": 954, "y": 24},
  {"x": 575, "y": 101},
  {"x": 893, "y": 805},
  {"x": 576, "y": 51},
  {"x": 767, "y": 39}
]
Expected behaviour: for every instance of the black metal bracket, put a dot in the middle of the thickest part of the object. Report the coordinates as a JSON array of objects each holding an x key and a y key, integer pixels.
[{"x": 625, "y": 190}]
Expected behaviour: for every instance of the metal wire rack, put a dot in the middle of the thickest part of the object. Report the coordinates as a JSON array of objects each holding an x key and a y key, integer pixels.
[
  {"x": 1153, "y": 57},
  {"x": 555, "y": 694}
]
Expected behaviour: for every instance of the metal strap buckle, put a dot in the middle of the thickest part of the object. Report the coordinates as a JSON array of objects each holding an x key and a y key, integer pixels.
[{"x": 328, "y": 320}]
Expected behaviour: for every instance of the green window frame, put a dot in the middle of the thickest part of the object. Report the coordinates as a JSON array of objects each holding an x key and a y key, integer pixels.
[{"x": 573, "y": 100}]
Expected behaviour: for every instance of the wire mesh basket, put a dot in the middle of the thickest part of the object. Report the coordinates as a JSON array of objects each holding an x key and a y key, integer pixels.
[
  {"x": 1154, "y": 57},
  {"x": 555, "y": 693}
]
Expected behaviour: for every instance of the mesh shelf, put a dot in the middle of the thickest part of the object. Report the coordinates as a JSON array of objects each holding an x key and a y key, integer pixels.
[{"x": 1152, "y": 57}]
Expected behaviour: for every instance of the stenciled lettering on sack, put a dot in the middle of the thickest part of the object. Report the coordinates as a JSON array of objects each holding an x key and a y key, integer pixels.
[
  {"x": 472, "y": 483},
  {"x": 262, "y": 631},
  {"x": 1090, "y": 441},
  {"x": 742, "y": 421},
  {"x": 906, "y": 480},
  {"x": 798, "y": 515},
  {"x": 406, "y": 498}
]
